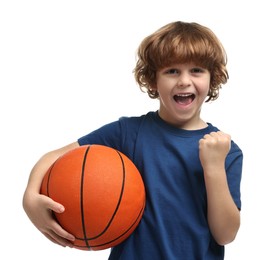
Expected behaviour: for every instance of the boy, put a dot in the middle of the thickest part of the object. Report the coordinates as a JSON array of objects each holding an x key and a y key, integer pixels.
[{"x": 191, "y": 169}]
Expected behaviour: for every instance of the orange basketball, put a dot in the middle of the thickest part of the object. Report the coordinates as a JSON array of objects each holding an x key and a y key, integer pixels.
[{"x": 102, "y": 192}]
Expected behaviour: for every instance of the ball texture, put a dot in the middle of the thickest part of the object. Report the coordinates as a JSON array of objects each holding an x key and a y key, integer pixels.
[{"x": 103, "y": 194}]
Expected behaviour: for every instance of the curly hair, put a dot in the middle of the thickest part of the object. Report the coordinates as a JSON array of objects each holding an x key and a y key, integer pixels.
[{"x": 181, "y": 42}]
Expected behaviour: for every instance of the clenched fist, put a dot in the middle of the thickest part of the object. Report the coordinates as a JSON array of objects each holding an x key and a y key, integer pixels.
[{"x": 213, "y": 149}]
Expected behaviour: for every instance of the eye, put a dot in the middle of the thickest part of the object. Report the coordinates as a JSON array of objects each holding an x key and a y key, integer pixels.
[
  {"x": 197, "y": 70},
  {"x": 172, "y": 71}
]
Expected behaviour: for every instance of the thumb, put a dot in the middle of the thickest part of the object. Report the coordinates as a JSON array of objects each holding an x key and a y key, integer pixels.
[{"x": 55, "y": 206}]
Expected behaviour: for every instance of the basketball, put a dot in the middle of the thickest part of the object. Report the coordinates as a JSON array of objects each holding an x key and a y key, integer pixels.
[{"x": 103, "y": 194}]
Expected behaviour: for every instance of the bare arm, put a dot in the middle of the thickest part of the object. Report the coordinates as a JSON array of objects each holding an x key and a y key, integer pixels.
[
  {"x": 223, "y": 214},
  {"x": 39, "y": 207}
]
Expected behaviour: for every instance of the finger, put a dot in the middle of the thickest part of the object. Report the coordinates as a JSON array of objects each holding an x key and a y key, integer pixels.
[
  {"x": 215, "y": 134},
  {"x": 206, "y": 136},
  {"x": 53, "y": 240},
  {"x": 223, "y": 136},
  {"x": 62, "y": 233},
  {"x": 58, "y": 240},
  {"x": 210, "y": 135}
]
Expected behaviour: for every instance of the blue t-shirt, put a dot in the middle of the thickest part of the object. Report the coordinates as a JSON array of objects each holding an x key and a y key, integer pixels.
[{"x": 174, "y": 224}]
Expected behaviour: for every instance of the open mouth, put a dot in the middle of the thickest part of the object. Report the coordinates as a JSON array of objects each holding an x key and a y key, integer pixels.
[{"x": 184, "y": 99}]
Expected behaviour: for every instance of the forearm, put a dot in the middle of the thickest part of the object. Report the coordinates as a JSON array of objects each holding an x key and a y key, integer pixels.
[
  {"x": 40, "y": 168},
  {"x": 223, "y": 214},
  {"x": 38, "y": 171}
]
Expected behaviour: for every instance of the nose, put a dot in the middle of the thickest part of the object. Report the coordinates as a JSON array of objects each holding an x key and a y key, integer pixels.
[{"x": 184, "y": 80}]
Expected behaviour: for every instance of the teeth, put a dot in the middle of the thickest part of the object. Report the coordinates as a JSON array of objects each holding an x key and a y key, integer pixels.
[{"x": 184, "y": 95}]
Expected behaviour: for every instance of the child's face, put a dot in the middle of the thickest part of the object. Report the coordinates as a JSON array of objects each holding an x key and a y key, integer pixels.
[{"x": 182, "y": 90}]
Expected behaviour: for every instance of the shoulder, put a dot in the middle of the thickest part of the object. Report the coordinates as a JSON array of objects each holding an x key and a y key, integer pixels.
[{"x": 134, "y": 121}]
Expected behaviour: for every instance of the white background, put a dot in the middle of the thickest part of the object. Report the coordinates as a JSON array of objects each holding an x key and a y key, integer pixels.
[{"x": 66, "y": 69}]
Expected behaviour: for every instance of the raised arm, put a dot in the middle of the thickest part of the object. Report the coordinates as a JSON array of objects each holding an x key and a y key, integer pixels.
[{"x": 223, "y": 214}]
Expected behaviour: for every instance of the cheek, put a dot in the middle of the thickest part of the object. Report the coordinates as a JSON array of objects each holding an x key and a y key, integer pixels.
[
  {"x": 204, "y": 89},
  {"x": 203, "y": 92},
  {"x": 161, "y": 85}
]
